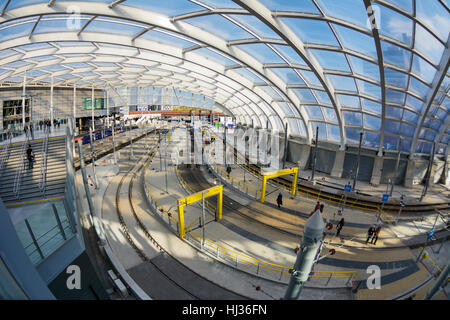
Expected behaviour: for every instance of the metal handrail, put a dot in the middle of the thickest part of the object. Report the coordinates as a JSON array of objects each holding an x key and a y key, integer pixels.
[
  {"x": 5, "y": 153},
  {"x": 43, "y": 168},
  {"x": 239, "y": 256},
  {"x": 18, "y": 176}
]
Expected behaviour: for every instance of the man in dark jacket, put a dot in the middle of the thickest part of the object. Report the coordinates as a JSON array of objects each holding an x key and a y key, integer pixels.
[
  {"x": 339, "y": 227},
  {"x": 228, "y": 171},
  {"x": 279, "y": 200},
  {"x": 370, "y": 232},
  {"x": 30, "y": 157}
]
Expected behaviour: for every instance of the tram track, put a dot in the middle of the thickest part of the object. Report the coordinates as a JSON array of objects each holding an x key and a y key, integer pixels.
[{"x": 152, "y": 265}]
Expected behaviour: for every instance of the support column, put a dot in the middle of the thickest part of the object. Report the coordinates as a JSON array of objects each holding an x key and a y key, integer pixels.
[
  {"x": 409, "y": 175},
  {"x": 107, "y": 108},
  {"x": 338, "y": 166},
  {"x": 92, "y": 109},
  {"x": 23, "y": 98},
  {"x": 51, "y": 106},
  {"x": 377, "y": 170},
  {"x": 74, "y": 109}
]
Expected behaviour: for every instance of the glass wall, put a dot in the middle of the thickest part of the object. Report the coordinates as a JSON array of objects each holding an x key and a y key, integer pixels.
[{"x": 42, "y": 229}]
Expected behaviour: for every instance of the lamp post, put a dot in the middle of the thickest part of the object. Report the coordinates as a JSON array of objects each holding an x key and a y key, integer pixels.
[{"x": 315, "y": 154}]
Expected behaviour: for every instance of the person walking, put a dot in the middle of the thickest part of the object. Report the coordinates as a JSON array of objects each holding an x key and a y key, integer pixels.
[
  {"x": 376, "y": 234},
  {"x": 31, "y": 130},
  {"x": 370, "y": 232},
  {"x": 58, "y": 121},
  {"x": 339, "y": 227},
  {"x": 279, "y": 200},
  {"x": 30, "y": 157},
  {"x": 322, "y": 206},
  {"x": 25, "y": 129},
  {"x": 228, "y": 171},
  {"x": 40, "y": 124},
  {"x": 317, "y": 207}
]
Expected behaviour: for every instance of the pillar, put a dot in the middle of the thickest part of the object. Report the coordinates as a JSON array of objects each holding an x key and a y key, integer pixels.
[
  {"x": 409, "y": 175},
  {"x": 23, "y": 98},
  {"x": 377, "y": 170},
  {"x": 338, "y": 165},
  {"x": 92, "y": 109},
  {"x": 74, "y": 109},
  {"x": 52, "y": 117}
]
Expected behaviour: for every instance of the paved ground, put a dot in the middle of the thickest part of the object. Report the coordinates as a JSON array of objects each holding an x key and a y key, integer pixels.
[{"x": 236, "y": 232}]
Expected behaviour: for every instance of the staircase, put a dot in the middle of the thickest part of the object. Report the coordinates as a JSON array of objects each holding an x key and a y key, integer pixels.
[{"x": 31, "y": 179}]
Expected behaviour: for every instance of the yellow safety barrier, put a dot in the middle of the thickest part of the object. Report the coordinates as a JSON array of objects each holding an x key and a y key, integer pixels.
[
  {"x": 236, "y": 255},
  {"x": 270, "y": 175},
  {"x": 330, "y": 198},
  {"x": 236, "y": 182},
  {"x": 217, "y": 190}
]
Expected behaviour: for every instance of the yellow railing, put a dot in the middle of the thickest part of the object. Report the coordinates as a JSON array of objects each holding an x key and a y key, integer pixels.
[
  {"x": 348, "y": 203},
  {"x": 330, "y": 198},
  {"x": 425, "y": 255},
  {"x": 236, "y": 182},
  {"x": 238, "y": 256}
]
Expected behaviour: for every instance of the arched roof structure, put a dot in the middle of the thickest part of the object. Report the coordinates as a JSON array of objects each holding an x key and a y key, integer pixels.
[{"x": 345, "y": 66}]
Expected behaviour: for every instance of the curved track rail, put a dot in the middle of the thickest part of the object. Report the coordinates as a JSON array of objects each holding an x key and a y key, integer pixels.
[{"x": 186, "y": 293}]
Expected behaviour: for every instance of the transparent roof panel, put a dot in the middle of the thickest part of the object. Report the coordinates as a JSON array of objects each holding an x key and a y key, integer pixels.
[
  {"x": 14, "y": 31},
  {"x": 220, "y": 26},
  {"x": 256, "y": 26},
  {"x": 168, "y": 38},
  {"x": 423, "y": 69},
  {"x": 428, "y": 45},
  {"x": 290, "y": 54},
  {"x": 349, "y": 10},
  {"x": 331, "y": 60},
  {"x": 289, "y": 5},
  {"x": 396, "y": 55},
  {"x": 169, "y": 8},
  {"x": 403, "y": 4},
  {"x": 335, "y": 64},
  {"x": 395, "y": 25},
  {"x": 435, "y": 16},
  {"x": 365, "y": 68},
  {"x": 356, "y": 41},
  {"x": 261, "y": 52},
  {"x": 288, "y": 75},
  {"x": 215, "y": 55},
  {"x": 113, "y": 26},
  {"x": 312, "y": 31}
]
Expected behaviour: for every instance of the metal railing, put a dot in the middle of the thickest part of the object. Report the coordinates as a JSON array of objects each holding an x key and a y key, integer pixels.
[
  {"x": 318, "y": 195},
  {"x": 43, "y": 168},
  {"x": 5, "y": 153},
  {"x": 20, "y": 168},
  {"x": 231, "y": 256}
]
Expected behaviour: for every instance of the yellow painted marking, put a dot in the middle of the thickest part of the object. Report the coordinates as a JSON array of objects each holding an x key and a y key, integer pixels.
[{"x": 34, "y": 201}]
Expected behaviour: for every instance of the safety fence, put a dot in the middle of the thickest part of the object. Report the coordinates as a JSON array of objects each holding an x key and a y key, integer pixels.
[
  {"x": 238, "y": 259},
  {"x": 432, "y": 267}
]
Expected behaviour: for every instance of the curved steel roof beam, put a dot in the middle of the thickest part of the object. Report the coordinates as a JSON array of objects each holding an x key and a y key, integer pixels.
[
  {"x": 291, "y": 39},
  {"x": 376, "y": 37},
  {"x": 86, "y": 58},
  {"x": 147, "y": 17},
  {"x": 436, "y": 84}
]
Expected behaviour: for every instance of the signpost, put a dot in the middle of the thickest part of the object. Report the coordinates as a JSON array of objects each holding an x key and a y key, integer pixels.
[
  {"x": 384, "y": 199},
  {"x": 402, "y": 204}
]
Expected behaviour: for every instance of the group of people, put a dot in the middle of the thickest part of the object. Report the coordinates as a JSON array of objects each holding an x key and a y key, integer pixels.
[{"x": 373, "y": 233}]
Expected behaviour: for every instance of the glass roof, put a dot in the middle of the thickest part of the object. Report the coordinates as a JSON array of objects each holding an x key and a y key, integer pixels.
[{"x": 310, "y": 64}]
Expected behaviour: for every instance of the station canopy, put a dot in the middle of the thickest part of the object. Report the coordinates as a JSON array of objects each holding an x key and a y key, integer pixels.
[{"x": 346, "y": 66}]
